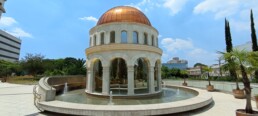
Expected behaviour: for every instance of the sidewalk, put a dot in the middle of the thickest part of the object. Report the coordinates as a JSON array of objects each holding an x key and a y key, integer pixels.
[{"x": 17, "y": 100}]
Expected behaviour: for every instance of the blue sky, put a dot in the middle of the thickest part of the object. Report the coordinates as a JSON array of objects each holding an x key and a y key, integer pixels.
[{"x": 190, "y": 29}]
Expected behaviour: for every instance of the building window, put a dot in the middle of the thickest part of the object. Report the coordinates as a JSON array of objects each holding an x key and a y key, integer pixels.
[
  {"x": 135, "y": 37},
  {"x": 112, "y": 37},
  {"x": 90, "y": 41},
  {"x": 102, "y": 38},
  {"x": 145, "y": 39},
  {"x": 157, "y": 42},
  {"x": 124, "y": 37},
  {"x": 94, "y": 40},
  {"x": 152, "y": 41}
]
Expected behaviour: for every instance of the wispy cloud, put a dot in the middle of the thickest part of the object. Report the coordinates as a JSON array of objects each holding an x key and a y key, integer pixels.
[
  {"x": 7, "y": 21},
  {"x": 237, "y": 11},
  {"x": 173, "y": 45},
  {"x": 11, "y": 26},
  {"x": 174, "y": 6},
  {"x": 225, "y": 8},
  {"x": 178, "y": 46},
  {"x": 90, "y": 18},
  {"x": 18, "y": 32},
  {"x": 220, "y": 8},
  {"x": 145, "y": 5}
]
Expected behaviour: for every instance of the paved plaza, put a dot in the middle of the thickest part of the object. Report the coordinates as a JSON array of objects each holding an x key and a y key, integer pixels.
[{"x": 17, "y": 100}]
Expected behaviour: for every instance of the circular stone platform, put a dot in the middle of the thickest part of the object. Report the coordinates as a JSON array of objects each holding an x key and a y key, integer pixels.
[{"x": 202, "y": 99}]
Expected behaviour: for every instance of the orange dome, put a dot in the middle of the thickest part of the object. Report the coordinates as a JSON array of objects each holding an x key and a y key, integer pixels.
[{"x": 123, "y": 14}]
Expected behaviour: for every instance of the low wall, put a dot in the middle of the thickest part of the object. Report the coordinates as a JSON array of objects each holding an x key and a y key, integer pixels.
[
  {"x": 222, "y": 86},
  {"x": 50, "y": 86}
]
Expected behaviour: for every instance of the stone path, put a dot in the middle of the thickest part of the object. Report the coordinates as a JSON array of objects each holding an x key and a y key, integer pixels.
[{"x": 17, "y": 100}]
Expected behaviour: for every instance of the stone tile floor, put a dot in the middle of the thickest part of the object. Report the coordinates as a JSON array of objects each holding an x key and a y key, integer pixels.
[{"x": 17, "y": 100}]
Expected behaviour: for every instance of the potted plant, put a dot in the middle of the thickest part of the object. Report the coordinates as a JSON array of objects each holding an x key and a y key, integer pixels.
[
  {"x": 242, "y": 58},
  {"x": 183, "y": 73},
  {"x": 207, "y": 70},
  {"x": 232, "y": 67},
  {"x": 256, "y": 100}
]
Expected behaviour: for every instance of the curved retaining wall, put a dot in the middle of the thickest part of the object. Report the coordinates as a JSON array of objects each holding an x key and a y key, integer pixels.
[
  {"x": 49, "y": 86},
  {"x": 202, "y": 99},
  {"x": 218, "y": 85}
]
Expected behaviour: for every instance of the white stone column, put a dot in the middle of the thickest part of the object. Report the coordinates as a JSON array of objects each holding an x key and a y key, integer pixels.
[
  {"x": 157, "y": 42},
  {"x": 107, "y": 37},
  {"x": 159, "y": 77},
  {"x": 151, "y": 80},
  {"x": 90, "y": 80},
  {"x": 90, "y": 43},
  {"x": 105, "y": 81},
  {"x": 130, "y": 78},
  {"x": 98, "y": 38},
  {"x": 118, "y": 36},
  {"x": 141, "y": 37},
  {"x": 130, "y": 37}
]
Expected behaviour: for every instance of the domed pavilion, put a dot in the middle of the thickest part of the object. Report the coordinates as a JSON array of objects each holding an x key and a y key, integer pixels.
[{"x": 124, "y": 56}]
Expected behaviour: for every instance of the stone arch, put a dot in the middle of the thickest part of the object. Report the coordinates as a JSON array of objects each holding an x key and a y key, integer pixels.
[
  {"x": 101, "y": 58},
  {"x": 141, "y": 75},
  {"x": 134, "y": 58},
  {"x": 118, "y": 75},
  {"x": 157, "y": 74},
  {"x": 119, "y": 55},
  {"x": 97, "y": 76}
]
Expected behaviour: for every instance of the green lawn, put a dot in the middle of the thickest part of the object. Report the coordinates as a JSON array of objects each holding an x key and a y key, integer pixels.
[{"x": 26, "y": 80}]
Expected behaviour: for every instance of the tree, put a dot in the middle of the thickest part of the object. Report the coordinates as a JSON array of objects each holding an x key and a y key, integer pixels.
[
  {"x": 207, "y": 70},
  {"x": 33, "y": 64},
  {"x": 230, "y": 66},
  {"x": 229, "y": 47},
  {"x": 254, "y": 41},
  {"x": 199, "y": 64},
  {"x": 243, "y": 59},
  {"x": 164, "y": 72},
  {"x": 184, "y": 75},
  {"x": 174, "y": 72}
]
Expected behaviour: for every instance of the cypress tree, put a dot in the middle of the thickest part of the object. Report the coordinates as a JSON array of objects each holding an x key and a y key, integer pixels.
[
  {"x": 228, "y": 37},
  {"x": 254, "y": 41},
  {"x": 253, "y": 34},
  {"x": 229, "y": 48}
]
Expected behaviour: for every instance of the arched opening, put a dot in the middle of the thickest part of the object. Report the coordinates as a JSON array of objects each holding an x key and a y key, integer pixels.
[
  {"x": 152, "y": 41},
  {"x": 118, "y": 76},
  {"x": 97, "y": 75},
  {"x": 94, "y": 40},
  {"x": 102, "y": 37},
  {"x": 123, "y": 37},
  {"x": 156, "y": 76},
  {"x": 135, "y": 37},
  {"x": 145, "y": 39},
  {"x": 112, "y": 37},
  {"x": 157, "y": 42},
  {"x": 141, "y": 77}
]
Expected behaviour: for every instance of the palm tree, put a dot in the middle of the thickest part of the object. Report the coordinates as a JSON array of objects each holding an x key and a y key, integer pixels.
[
  {"x": 230, "y": 66},
  {"x": 207, "y": 70},
  {"x": 184, "y": 74},
  {"x": 241, "y": 61}
]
